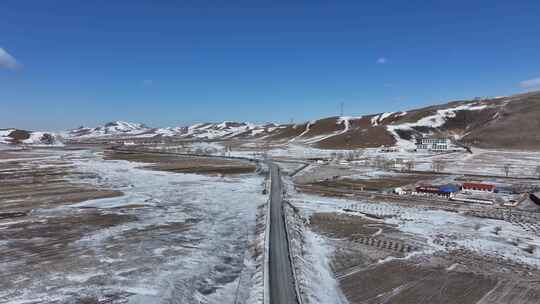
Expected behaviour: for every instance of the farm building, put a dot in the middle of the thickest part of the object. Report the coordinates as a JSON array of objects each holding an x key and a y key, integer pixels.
[
  {"x": 505, "y": 190},
  {"x": 427, "y": 189},
  {"x": 445, "y": 190},
  {"x": 478, "y": 187},
  {"x": 449, "y": 189}
]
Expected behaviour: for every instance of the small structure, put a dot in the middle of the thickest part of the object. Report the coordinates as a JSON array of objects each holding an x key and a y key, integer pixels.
[
  {"x": 444, "y": 190},
  {"x": 448, "y": 189},
  {"x": 389, "y": 149},
  {"x": 505, "y": 190},
  {"x": 478, "y": 187},
  {"x": 427, "y": 189},
  {"x": 400, "y": 191}
]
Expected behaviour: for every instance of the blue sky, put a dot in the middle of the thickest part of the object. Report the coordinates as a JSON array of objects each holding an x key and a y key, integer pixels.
[{"x": 67, "y": 63}]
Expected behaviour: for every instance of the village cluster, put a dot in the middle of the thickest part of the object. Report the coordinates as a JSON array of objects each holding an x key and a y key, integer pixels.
[{"x": 472, "y": 192}]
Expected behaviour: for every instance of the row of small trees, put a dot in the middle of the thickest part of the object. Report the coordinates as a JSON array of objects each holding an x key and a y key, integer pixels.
[
  {"x": 437, "y": 165},
  {"x": 348, "y": 156},
  {"x": 507, "y": 168}
]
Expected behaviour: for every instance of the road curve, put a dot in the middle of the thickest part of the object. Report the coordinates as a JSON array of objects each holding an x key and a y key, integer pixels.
[{"x": 281, "y": 280}]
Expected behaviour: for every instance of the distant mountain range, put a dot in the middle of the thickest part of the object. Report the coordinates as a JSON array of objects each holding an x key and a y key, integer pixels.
[{"x": 502, "y": 122}]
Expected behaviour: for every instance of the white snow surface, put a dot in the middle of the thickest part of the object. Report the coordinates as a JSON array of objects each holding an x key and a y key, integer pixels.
[
  {"x": 434, "y": 121},
  {"x": 312, "y": 264},
  {"x": 4, "y": 139},
  {"x": 35, "y": 139},
  {"x": 459, "y": 230},
  {"x": 211, "y": 263}
]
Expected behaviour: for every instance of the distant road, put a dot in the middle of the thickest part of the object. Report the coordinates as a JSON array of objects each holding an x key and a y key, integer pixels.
[{"x": 282, "y": 288}]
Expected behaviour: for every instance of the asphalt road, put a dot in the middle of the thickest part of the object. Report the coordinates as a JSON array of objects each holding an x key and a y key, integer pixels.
[{"x": 282, "y": 288}]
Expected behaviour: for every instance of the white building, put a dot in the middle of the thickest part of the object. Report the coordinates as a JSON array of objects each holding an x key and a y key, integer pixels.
[{"x": 433, "y": 144}]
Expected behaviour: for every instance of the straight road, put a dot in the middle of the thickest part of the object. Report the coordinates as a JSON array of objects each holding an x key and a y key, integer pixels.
[{"x": 282, "y": 288}]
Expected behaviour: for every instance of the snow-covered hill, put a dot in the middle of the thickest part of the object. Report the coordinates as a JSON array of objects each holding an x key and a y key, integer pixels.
[
  {"x": 109, "y": 129},
  {"x": 501, "y": 122},
  {"x": 203, "y": 131},
  {"x": 35, "y": 138}
]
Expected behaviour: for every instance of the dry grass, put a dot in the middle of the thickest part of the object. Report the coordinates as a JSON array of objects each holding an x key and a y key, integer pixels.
[{"x": 185, "y": 164}]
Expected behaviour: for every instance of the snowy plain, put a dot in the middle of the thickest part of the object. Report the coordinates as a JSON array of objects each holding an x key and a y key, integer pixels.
[
  {"x": 494, "y": 238},
  {"x": 188, "y": 242}
]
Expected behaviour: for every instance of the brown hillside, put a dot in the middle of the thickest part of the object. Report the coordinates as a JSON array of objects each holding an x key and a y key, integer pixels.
[
  {"x": 324, "y": 126},
  {"x": 288, "y": 132},
  {"x": 516, "y": 126},
  {"x": 371, "y": 137},
  {"x": 19, "y": 135}
]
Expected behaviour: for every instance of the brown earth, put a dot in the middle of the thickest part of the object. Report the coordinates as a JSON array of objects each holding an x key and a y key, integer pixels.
[
  {"x": 401, "y": 282},
  {"x": 27, "y": 183},
  {"x": 374, "y": 184},
  {"x": 516, "y": 126},
  {"x": 450, "y": 278},
  {"x": 371, "y": 137},
  {"x": 184, "y": 164},
  {"x": 510, "y": 122},
  {"x": 288, "y": 132},
  {"x": 37, "y": 243},
  {"x": 324, "y": 126},
  {"x": 19, "y": 135}
]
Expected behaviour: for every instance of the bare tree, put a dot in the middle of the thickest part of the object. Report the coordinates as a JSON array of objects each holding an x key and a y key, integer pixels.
[
  {"x": 506, "y": 169},
  {"x": 530, "y": 248},
  {"x": 47, "y": 139},
  {"x": 199, "y": 151},
  {"x": 390, "y": 164},
  {"x": 410, "y": 165},
  {"x": 438, "y": 165},
  {"x": 379, "y": 162}
]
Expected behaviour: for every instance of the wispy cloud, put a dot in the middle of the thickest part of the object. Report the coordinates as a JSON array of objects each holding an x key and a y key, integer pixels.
[
  {"x": 7, "y": 61},
  {"x": 382, "y": 60},
  {"x": 531, "y": 84},
  {"x": 147, "y": 82}
]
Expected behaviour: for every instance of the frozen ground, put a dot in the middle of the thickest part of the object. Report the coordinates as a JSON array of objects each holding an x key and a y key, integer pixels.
[
  {"x": 182, "y": 238},
  {"x": 444, "y": 231},
  {"x": 386, "y": 253},
  {"x": 311, "y": 260},
  {"x": 481, "y": 162}
]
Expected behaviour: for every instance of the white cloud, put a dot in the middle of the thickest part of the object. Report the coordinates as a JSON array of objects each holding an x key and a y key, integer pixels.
[
  {"x": 147, "y": 82},
  {"x": 7, "y": 61},
  {"x": 382, "y": 60},
  {"x": 531, "y": 84}
]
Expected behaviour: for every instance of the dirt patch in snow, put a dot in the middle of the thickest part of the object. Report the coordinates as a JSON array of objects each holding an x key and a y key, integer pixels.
[
  {"x": 183, "y": 164},
  {"x": 370, "y": 137}
]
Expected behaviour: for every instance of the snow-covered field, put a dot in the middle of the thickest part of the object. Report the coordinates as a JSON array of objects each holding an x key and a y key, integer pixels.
[
  {"x": 443, "y": 230},
  {"x": 311, "y": 260},
  {"x": 187, "y": 241}
]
